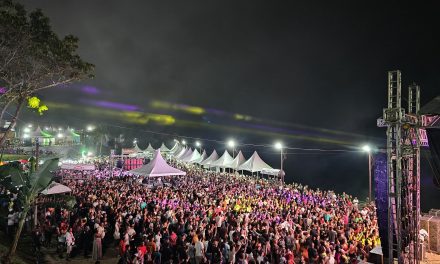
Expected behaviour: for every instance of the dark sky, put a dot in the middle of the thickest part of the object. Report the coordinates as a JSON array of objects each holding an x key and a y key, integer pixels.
[{"x": 317, "y": 64}]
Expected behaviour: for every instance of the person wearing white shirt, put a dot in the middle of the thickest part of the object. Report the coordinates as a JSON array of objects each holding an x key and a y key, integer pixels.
[
  {"x": 10, "y": 223},
  {"x": 157, "y": 240},
  {"x": 70, "y": 241},
  {"x": 200, "y": 249}
]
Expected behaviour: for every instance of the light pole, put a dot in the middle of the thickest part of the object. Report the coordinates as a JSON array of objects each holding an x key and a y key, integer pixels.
[
  {"x": 231, "y": 144},
  {"x": 279, "y": 146},
  {"x": 367, "y": 148},
  {"x": 37, "y": 152}
]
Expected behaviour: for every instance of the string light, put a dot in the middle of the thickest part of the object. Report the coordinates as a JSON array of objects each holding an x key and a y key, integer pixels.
[{"x": 222, "y": 142}]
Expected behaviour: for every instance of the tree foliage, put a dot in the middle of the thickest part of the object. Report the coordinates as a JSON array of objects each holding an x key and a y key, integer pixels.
[
  {"x": 29, "y": 186},
  {"x": 35, "y": 103},
  {"x": 33, "y": 57}
]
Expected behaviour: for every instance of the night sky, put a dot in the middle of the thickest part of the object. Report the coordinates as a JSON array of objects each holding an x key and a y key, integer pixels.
[{"x": 319, "y": 65}]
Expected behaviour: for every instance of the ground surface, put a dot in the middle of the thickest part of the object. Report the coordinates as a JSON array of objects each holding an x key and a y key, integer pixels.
[
  {"x": 51, "y": 257},
  {"x": 431, "y": 259}
]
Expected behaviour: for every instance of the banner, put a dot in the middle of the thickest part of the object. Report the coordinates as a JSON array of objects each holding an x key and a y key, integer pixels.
[
  {"x": 80, "y": 167},
  {"x": 126, "y": 151}
]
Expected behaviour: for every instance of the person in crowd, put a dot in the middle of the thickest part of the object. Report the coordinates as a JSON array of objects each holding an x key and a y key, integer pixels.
[
  {"x": 97, "y": 242},
  {"x": 212, "y": 217},
  {"x": 70, "y": 242}
]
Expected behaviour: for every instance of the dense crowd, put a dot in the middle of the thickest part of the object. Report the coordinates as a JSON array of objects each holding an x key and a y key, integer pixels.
[{"x": 208, "y": 217}]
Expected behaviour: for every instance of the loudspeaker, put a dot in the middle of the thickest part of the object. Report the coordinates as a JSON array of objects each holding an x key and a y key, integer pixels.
[
  {"x": 376, "y": 256},
  {"x": 119, "y": 163}
]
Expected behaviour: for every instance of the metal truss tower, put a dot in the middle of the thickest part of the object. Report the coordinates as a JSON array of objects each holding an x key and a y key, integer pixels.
[{"x": 403, "y": 169}]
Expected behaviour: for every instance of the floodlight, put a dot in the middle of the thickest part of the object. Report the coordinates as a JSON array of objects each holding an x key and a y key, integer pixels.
[{"x": 366, "y": 148}]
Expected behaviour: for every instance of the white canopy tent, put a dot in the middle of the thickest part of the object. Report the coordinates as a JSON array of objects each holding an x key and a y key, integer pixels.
[
  {"x": 79, "y": 166},
  {"x": 254, "y": 164},
  {"x": 163, "y": 148},
  {"x": 224, "y": 160},
  {"x": 140, "y": 155},
  {"x": 149, "y": 149},
  {"x": 193, "y": 157},
  {"x": 56, "y": 188},
  {"x": 176, "y": 151},
  {"x": 239, "y": 159},
  {"x": 180, "y": 153},
  {"x": 213, "y": 157},
  {"x": 175, "y": 148},
  {"x": 158, "y": 167},
  {"x": 187, "y": 154},
  {"x": 272, "y": 172},
  {"x": 137, "y": 149},
  {"x": 202, "y": 158}
]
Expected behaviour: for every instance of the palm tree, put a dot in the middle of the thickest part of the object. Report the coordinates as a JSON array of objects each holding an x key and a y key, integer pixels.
[{"x": 30, "y": 185}]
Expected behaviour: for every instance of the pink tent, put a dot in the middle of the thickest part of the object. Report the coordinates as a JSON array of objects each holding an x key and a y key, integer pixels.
[{"x": 158, "y": 167}]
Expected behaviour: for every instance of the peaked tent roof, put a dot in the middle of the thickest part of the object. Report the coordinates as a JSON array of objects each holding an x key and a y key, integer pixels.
[
  {"x": 194, "y": 156},
  {"x": 180, "y": 153},
  {"x": 224, "y": 160},
  {"x": 186, "y": 154},
  {"x": 254, "y": 163},
  {"x": 174, "y": 148},
  {"x": 149, "y": 149},
  {"x": 137, "y": 149},
  {"x": 240, "y": 159},
  {"x": 176, "y": 151},
  {"x": 38, "y": 133},
  {"x": 164, "y": 148},
  {"x": 213, "y": 157},
  {"x": 157, "y": 167},
  {"x": 202, "y": 157},
  {"x": 55, "y": 188}
]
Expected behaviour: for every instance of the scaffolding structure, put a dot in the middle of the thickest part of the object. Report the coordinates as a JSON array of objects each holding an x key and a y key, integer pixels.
[{"x": 403, "y": 169}]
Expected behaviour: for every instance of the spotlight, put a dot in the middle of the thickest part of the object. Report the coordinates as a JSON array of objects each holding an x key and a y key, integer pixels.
[{"x": 366, "y": 148}]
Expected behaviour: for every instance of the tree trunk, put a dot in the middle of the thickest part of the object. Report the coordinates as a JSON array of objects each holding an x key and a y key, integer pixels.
[
  {"x": 4, "y": 110},
  {"x": 13, "y": 121},
  {"x": 13, "y": 247}
]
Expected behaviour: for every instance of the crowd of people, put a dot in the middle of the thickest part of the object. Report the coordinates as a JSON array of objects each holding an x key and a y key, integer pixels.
[{"x": 208, "y": 217}]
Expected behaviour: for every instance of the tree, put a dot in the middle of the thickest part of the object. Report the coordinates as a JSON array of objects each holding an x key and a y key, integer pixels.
[
  {"x": 100, "y": 136},
  {"x": 30, "y": 185},
  {"x": 33, "y": 58}
]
